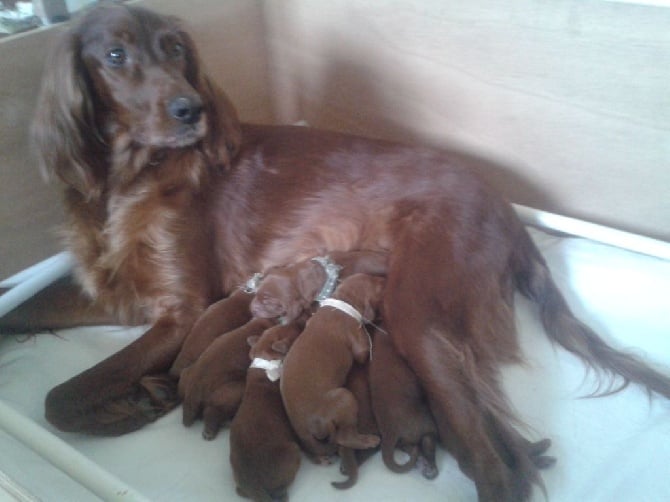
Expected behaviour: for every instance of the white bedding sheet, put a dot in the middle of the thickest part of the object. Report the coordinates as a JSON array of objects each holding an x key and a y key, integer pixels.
[{"x": 609, "y": 449}]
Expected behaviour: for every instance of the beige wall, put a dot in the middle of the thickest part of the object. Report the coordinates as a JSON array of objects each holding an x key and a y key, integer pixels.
[
  {"x": 565, "y": 104},
  {"x": 29, "y": 208},
  {"x": 569, "y": 99}
]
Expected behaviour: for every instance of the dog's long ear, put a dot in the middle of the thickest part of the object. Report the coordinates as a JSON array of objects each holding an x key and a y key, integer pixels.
[
  {"x": 64, "y": 131},
  {"x": 224, "y": 136}
]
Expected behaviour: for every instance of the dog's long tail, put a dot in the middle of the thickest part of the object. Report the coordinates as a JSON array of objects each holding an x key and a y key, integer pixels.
[{"x": 534, "y": 281}]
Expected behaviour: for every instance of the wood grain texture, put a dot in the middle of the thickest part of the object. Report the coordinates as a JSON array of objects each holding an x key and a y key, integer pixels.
[{"x": 565, "y": 103}]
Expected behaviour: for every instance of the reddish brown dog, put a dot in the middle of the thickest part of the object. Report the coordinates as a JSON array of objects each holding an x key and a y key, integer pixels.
[
  {"x": 264, "y": 452},
  {"x": 288, "y": 291},
  {"x": 172, "y": 204},
  {"x": 323, "y": 412}
]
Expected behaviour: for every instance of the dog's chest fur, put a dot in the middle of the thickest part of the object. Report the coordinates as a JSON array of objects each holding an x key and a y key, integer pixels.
[{"x": 132, "y": 244}]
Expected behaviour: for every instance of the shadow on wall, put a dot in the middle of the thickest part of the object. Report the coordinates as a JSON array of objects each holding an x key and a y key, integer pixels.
[{"x": 357, "y": 97}]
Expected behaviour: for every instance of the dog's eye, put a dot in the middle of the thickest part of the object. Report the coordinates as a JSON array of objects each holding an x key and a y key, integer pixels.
[
  {"x": 116, "y": 56},
  {"x": 177, "y": 50}
]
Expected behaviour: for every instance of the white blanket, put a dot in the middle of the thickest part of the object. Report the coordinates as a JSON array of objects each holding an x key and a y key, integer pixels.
[{"x": 609, "y": 449}]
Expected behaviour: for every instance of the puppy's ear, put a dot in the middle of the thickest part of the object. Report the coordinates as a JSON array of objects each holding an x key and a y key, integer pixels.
[
  {"x": 310, "y": 278},
  {"x": 252, "y": 340},
  {"x": 64, "y": 131},
  {"x": 224, "y": 135}
]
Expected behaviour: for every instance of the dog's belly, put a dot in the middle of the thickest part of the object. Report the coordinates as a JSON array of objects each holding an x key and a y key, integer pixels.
[
  {"x": 296, "y": 194},
  {"x": 318, "y": 236}
]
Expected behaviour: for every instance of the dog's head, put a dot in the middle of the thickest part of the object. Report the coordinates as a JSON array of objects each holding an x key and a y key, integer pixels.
[{"x": 126, "y": 72}]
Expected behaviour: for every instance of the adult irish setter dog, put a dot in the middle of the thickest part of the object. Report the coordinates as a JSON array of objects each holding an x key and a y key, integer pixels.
[{"x": 172, "y": 204}]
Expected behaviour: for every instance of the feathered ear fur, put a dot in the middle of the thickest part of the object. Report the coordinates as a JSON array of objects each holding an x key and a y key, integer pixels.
[
  {"x": 64, "y": 130},
  {"x": 224, "y": 135}
]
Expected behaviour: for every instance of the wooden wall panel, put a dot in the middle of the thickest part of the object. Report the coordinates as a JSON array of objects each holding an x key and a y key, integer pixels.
[{"x": 566, "y": 104}]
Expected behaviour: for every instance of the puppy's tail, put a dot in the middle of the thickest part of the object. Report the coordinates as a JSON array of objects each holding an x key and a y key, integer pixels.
[
  {"x": 534, "y": 281},
  {"x": 388, "y": 450},
  {"x": 348, "y": 467}
]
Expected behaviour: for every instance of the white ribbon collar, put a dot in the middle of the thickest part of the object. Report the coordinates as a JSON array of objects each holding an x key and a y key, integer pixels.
[
  {"x": 272, "y": 367},
  {"x": 350, "y": 311},
  {"x": 342, "y": 306}
]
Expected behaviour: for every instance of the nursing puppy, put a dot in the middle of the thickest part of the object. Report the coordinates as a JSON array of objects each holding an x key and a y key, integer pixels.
[
  {"x": 214, "y": 384},
  {"x": 264, "y": 453},
  {"x": 405, "y": 420},
  {"x": 287, "y": 291},
  {"x": 358, "y": 383},
  {"x": 401, "y": 410},
  {"x": 324, "y": 414},
  {"x": 276, "y": 341},
  {"x": 220, "y": 317}
]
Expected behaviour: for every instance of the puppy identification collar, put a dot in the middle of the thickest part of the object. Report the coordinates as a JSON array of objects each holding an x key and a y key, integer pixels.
[
  {"x": 251, "y": 286},
  {"x": 332, "y": 274},
  {"x": 343, "y": 306},
  {"x": 349, "y": 310},
  {"x": 272, "y": 367}
]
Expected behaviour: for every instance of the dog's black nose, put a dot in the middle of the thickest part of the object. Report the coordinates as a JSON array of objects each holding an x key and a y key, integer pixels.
[{"x": 186, "y": 110}]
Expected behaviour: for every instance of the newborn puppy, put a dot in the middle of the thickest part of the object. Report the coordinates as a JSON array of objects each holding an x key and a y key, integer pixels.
[
  {"x": 276, "y": 341},
  {"x": 324, "y": 414},
  {"x": 401, "y": 410},
  {"x": 359, "y": 385},
  {"x": 288, "y": 291},
  {"x": 221, "y": 317},
  {"x": 214, "y": 384},
  {"x": 264, "y": 453}
]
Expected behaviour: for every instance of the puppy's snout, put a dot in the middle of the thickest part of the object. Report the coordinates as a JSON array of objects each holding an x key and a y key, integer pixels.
[{"x": 185, "y": 109}]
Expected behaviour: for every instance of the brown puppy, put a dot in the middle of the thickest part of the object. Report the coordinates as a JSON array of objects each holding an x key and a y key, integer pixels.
[
  {"x": 287, "y": 291},
  {"x": 324, "y": 414},
  {"x": 220, "y": 317},
  {"x": 276, "y": 340},
  {"x": 401, "y": 410},
  {"x": 359, "y": 385},
  {"x": 214, "y": 384},
  {"x": 264, "y": 453}
]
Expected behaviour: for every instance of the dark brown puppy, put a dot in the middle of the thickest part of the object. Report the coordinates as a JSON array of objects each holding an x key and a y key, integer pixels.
[
  {"x": 324, "y": 414},
  {"x": 171, "y": 204},
  {"x": 219, "y": 318},
  {"x": 264, "y": 452},
  {"x": 214, "y": 384},
  {"x": 286, "y": 292},
  {"x": 401, "y": 410},
  {"x": 359, "y": 385},
  {"x": 276, "y": 341},
  {"x": 405, "y": 420}
]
